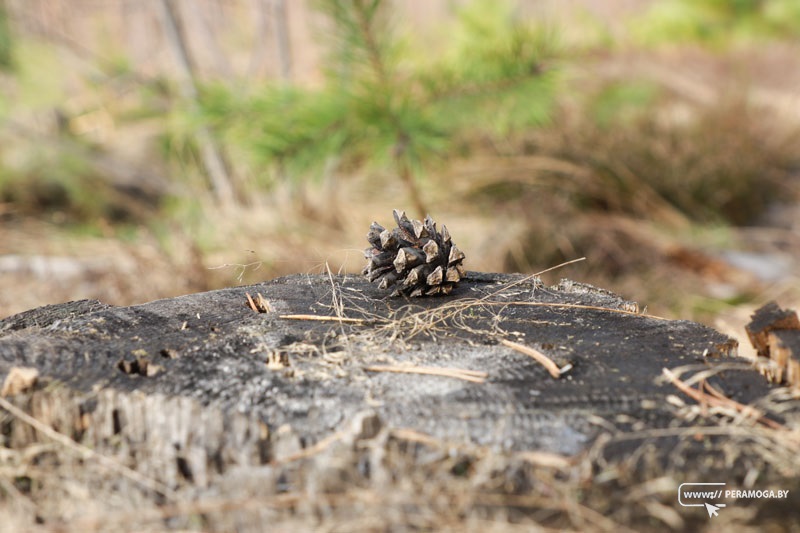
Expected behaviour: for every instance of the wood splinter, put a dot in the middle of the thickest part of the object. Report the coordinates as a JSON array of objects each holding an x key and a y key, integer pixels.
[
  {"x": 775, "y": 334},
  {"x": 259, "y": 304},
  {"x": 540, "y": 358}
]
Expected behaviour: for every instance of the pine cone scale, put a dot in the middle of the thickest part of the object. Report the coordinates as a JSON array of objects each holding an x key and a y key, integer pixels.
[
  {"x": 452, "y": 275},
  {"x": 455, "y": 257},
  {"x": 434, "y": 279},
  {"x": 431, "y": 250},
  {"x": 374, "y": 235}
]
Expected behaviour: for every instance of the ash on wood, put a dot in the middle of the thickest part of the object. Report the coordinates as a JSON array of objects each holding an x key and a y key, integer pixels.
[{"x": 266, "y": 408}]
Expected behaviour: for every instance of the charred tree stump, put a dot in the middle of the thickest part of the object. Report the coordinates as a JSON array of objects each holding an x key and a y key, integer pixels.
[{"x": 318, "y": 399}]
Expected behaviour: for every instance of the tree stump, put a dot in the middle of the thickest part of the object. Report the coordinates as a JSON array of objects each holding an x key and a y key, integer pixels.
[{"x": 318, "y": 400}]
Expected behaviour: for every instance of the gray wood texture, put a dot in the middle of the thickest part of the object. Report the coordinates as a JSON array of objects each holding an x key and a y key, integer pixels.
[{"x": 319, "y": 395}]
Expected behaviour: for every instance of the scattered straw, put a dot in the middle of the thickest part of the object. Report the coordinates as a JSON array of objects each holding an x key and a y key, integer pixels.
[
  {"x": 458, "y": 373},
  {"x": 540, "y": 358},
  {"x": 460, "y": 307}
]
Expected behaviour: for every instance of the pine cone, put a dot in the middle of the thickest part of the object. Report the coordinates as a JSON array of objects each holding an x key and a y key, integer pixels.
[{"x": 414, "y": 258}]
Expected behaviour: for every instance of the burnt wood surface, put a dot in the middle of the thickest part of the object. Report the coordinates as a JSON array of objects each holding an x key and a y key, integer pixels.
[
  {"x": 214, "y": 348},
  {"x": 188, "y": 390}
]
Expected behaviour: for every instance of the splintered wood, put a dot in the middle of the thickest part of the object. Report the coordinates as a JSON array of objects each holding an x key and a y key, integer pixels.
[
  {"x": 18, "y": 380},
  {"x": 775, "y": 334},
  {"x": 259, "y": 304}
]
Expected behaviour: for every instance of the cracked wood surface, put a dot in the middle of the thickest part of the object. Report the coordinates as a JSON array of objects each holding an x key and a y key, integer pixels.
[
  {"x": 313, "y": 375},
  {"x": 187, "y": 389}
]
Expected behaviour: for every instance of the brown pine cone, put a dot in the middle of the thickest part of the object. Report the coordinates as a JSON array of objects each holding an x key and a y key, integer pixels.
[{"x": 413, "y": 258}]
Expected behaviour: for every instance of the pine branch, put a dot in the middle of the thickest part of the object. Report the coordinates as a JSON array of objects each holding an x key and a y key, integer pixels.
[{"x": 365, "y": 17}]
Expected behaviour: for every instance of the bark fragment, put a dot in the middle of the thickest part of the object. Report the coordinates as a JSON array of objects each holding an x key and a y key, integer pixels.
[{"x": 775, "y": 334}]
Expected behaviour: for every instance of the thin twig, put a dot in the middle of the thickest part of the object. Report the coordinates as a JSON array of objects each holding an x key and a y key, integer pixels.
[
  {"x": 86, "y": 452},
  {"x": 531, "y": 277},
  {"x": 311, "y": 450},
  {"x": 323, "y": 318},
  {"x": 412, "y": 435},
  {"x": 458, "y": 373},
  {"x": 540, "y": 458},
  {"x": 338, "y": 306},
  {"x": 540, "y": 358},
  {"x": 691, "y": 431},
  {"x": 708, "y": 399}
]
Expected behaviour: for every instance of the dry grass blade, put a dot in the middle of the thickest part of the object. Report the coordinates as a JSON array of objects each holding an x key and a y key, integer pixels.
[
  {"x": 579, "y": 306},
  {"x": 458, "y": 373},
  {"x": 714, "y": 392},
  {"x": 85, "y": 452},
  {"x": 685, "y": 432},
  {"x": 323, "y": 318},
  {"x": 540, "y": 358},
  {"x": 311, "y": 450},
  {"x": 336, "y": 301},
  {"x": 717, "y": 399},
  {"x": 412, "y": 435},
  {"x": 551, "y": 460},
  {"x": 262, "y": 304}
]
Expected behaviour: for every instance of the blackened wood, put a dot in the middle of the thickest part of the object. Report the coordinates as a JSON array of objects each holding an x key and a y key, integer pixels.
[
  {"x": 242, "y": 394},
  {"x": 768, "y": 318}
]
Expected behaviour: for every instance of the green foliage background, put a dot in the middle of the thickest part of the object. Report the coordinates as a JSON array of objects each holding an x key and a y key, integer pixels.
[
  {"x": 383, "y": 104},
  {"x": 718, "y": 22}
]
